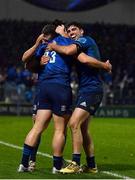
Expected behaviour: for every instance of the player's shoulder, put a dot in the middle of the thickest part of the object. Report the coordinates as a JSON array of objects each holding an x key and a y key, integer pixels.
[
  {"x": 85, "y": 39},
  {"x": 63, "y": 37},
  {"x": 62, "y": 40},
  {"x": 59, "y": 37},
  {"x": 41, "y": 46}
]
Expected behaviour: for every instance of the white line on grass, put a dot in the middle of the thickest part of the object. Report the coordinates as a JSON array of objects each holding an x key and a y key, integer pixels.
[
  {"x": 49, "y": 156},
  {"x": 116, "y": 175}
]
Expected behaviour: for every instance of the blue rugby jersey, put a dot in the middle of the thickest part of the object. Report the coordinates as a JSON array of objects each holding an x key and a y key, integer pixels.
[
  {"x": 58, "y": 69},
  {"x": 40, "y": 50},
  {"x": 89, "y": 77}
]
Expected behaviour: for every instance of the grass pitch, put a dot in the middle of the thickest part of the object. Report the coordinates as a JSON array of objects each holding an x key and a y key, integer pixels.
[{"x": 114, "y": 141}]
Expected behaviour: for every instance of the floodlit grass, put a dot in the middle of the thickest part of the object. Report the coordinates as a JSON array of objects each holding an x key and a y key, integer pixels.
[{"x": 114, "y": 148}]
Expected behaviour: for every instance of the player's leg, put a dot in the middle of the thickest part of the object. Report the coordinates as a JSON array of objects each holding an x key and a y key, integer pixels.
[
  {"x": 32, "y": 161},
  {"x": 40, "y": 102},
  {"x": 78, "y": 117},
  {"x": 87, "y": 138},
  {"x": 42, "y": 121},
  {"x": 58, "y": 143},
  {"x": 62, "y": 101},
  {"x": 86, "y": 104},
  {"x": 93, "y": 102},
  {"x": 88, "y": 146}
]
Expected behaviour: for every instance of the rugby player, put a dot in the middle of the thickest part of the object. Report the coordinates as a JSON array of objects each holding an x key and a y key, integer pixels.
[
  {"x": 55, "y": 75},
  {"x": 89, "y": 96}
]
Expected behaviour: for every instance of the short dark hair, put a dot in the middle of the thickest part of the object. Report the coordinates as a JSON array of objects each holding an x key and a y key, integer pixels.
[
  {"x": 58, "y": 22},
  {"x": 74, "y": 23},
  {"x": 49, "y": 29}
]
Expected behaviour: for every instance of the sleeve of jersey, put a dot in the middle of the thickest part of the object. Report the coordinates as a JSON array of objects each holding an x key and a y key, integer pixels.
[
  {"x": 40, "y": 51},
  {"x": 82, "y": 43},
  {"x": 56, "y": 39}
]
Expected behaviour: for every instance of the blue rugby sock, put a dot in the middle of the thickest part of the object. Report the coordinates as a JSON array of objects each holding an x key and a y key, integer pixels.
[
  {"x": 27, "y": 151},
  {"x": 57, "y": 162},
  {"x": 34, "y": 152},
  {"x": 76, "y": 158},
  {"x": 91, "y": 162}
]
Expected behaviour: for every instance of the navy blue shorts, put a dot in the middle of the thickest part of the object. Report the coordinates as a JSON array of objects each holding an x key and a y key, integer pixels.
[
  {"x": 55, "y": 97},
  {"x": 89, "y": 101}
]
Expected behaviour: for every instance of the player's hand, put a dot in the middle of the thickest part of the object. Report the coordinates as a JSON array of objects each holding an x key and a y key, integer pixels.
[
  {"x": 44, "y": 60},
  {"x": 50, "y": 46},
  {"x": 108, "y": 66},
  {"x": 60, "y": 29},
  {"x": 40, "y": 39}
]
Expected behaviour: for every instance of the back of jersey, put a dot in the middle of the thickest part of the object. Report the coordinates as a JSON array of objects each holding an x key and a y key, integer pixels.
[{"x": 58, "y": 69}]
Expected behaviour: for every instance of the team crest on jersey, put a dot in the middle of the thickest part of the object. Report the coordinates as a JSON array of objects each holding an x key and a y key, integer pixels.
[{"x": 82, "y": 40}]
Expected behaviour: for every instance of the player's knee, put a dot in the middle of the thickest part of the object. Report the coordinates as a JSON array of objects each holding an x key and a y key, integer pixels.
[
  {"x": 73, "y": 125},
  {"x": 59, "y": 131},
  {"x": 37, "y": 129}
]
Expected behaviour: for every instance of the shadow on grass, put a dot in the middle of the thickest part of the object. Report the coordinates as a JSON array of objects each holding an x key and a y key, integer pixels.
[{"x": 47, "y": 173}]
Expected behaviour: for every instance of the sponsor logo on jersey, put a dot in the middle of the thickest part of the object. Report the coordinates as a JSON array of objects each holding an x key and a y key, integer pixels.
[
  {"x": 83, "y": 104},
  {"x": 63, "y": 108}
]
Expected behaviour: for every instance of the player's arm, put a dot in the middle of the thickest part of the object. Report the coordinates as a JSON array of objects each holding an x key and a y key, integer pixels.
[
  {"x": 82, "y": 57},
  {"x": 67, "y": 50},
  {"x": 93, "y": 62},
  {"x": 78, "y": 46},
  {"x": 30, "y": 52}
]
